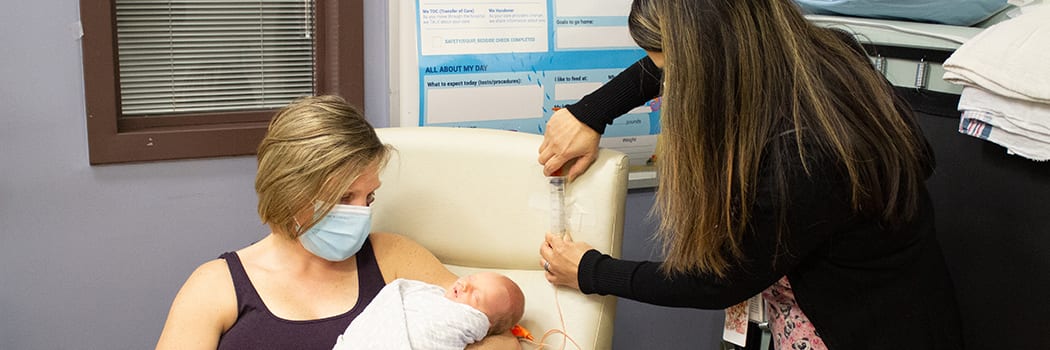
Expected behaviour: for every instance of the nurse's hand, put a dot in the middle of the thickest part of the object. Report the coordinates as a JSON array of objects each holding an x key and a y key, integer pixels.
[
  {"x": 561, "y": 258},
  {"x": 567, "y": 139}
]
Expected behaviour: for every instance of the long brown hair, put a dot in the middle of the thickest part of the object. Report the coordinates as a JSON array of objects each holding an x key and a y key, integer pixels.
[{"x": 739, "y": 73}]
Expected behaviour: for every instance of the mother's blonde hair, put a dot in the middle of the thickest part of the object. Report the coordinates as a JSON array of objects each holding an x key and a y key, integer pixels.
[
  {"x": 739, "y": 76},
  {"x": 313, "y": 151}
]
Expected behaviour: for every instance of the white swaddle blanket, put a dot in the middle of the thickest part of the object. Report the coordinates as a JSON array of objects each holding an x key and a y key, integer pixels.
[
  {"x": 409, "y": 314},
  {"x": 1009, "y": 59}
]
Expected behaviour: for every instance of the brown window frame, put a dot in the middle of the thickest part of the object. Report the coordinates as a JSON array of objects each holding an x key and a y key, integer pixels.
[{"x": 339, "y": 70}]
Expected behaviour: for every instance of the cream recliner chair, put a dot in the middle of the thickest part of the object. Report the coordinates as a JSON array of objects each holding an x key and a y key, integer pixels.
[{"x": 478, "y": 200}]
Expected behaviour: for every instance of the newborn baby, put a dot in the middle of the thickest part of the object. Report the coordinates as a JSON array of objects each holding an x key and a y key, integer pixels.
[{"x": 409, "y": 314}]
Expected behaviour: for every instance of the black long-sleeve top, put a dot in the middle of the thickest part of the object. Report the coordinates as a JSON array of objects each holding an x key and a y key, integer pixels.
[
  {"x": 631, "y": 88},
  {"x": 862, "y": 285}
]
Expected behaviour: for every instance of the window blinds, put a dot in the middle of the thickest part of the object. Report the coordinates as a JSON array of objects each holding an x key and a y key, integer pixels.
[{"x": 185, "y": 56}]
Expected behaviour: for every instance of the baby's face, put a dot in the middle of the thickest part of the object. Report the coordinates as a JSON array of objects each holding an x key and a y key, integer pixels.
[{"x": 484, "y": 291}]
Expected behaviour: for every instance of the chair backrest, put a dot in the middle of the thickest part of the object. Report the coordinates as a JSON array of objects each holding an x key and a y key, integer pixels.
[{"x": 478, "y": 200}]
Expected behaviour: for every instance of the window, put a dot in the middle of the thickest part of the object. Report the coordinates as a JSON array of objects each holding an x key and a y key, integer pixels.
[{"x": 173, "y": 79}]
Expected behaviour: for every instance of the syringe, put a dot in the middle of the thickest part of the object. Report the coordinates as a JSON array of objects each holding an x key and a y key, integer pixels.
[{"x": 559, "y": 223}]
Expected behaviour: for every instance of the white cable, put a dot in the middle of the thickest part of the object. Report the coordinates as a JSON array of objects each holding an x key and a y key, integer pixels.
[{"x": 946, "y": 37}]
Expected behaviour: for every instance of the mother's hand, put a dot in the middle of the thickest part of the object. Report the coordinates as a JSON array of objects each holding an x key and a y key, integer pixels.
[{"x": 561, "y": 256}]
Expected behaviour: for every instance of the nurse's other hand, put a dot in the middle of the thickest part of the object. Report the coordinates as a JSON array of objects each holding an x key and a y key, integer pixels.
[
  {"x": 560, "y": 256},
  {"x": 566, "y": 139}
]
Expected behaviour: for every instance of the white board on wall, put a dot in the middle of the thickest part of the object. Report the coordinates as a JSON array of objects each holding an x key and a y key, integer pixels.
[{"x": 510, "y": 65}]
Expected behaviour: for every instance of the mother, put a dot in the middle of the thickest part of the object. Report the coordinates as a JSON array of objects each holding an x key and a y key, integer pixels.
[{"x": 302, "y": 285}]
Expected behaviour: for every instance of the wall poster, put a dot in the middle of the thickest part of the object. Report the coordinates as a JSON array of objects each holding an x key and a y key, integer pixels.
[{"x": 510, "y": 64}]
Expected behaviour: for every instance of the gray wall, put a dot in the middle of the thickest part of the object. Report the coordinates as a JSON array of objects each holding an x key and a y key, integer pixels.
[
  {"x": 91, "y": 256},
  {"x": 643, "y": 326}
]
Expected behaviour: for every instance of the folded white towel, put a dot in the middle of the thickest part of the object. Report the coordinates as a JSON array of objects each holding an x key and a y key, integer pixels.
[
  {"x": 1023, "y": 127},
  {"x": 1016, "y": 116},
  {"x": 1016, "y": 144},
  {"x": 1011, "y": 58}
]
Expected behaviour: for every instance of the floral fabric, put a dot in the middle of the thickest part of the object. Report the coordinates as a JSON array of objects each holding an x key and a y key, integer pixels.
[{"x": 790, "y": 327}]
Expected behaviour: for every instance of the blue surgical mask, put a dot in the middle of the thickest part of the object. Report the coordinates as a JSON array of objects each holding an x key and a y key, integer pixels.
[{"x": 340, "y": 234}]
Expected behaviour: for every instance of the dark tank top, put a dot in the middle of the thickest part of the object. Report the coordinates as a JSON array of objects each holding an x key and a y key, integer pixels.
[{"x": 257, "y": 328}]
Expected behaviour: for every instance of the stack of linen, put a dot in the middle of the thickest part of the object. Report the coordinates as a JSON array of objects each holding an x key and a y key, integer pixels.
[{"x": 1005, "y": 74}]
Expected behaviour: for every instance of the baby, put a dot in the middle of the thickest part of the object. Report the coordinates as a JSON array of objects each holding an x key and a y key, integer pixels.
[{"x": 417, "y": 315}]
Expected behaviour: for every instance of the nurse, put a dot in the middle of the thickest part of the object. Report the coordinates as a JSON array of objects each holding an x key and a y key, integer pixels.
[{"x": 787, "y": 168}]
